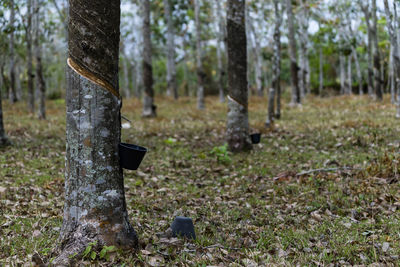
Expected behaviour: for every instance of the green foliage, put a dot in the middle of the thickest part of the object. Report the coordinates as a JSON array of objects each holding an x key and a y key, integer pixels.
[
  {"x": 221, "y": 152},
  {"x": 89, "y": 252},
  {"x": 105, "y": 252}
]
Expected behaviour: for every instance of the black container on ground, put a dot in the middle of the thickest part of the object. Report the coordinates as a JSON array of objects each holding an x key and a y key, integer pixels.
[
  {"x": 183, "y": 227},
  {"x": 130, "y": 156},
  {"x": 255, "y": 138}
]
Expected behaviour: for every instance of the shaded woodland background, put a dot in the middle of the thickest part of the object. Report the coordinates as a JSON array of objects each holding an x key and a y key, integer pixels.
[{"x": 334, "y": 34}]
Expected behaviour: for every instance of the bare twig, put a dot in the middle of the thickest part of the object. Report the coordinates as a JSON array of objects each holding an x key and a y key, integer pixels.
[{"x": 326, "y": 170}]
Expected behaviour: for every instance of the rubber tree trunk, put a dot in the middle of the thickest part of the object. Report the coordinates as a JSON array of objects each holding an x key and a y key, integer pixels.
[
  {"x": 95, "y": 207},
  {"x": 125, "y": 65},
  {"x": 391, "y": 77},
  {"x": 358, "y": 70},
  {"x": 356, "y": 61},
  {"x": 237, "y": 121},
  {"x": 257, "y": 54},
  {"x": 172, "y": 88},
  {"x": 133, "y": 80},
  {"x": 321, "y": 71},
  {"x": 395, "y": 51},
  {"x": 40, "y": 83},
  {"x": 370, "y": 73},
  {"x": 199, "y": 58},
  {"x": 221, "y": 37},
  {"x": 274, "y": 91},
  {"x": 3, "y": 136},
  {"x": 377, "y": 60},
  {"x": 349, "y": 76},
  {"x": 302, "y": 20},
  {"x": 29, "y": 59},
  {"x": 342, "y": 70},
  {"x": 126, "y": 73},
  {"x": 294, "y": 68},
  {"x": 12, "y": 90},
  {"x": 18, "y": 82},
  {"x": 149, "y": 109},
  {"x": 138, "y": 75}
]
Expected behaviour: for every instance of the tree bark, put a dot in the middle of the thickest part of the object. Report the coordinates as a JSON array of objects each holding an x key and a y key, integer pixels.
[
  {"x": 237, "y": 121},
  {"x": 95, "y": 207},
  {"x": 12, "y": 89},
  {"x": 391, "y": 78},
  {"x": 276, "y": 70},
  {"x": 18, "y": 81},
  {"x": 171, "y": 69},
  {"x": 41, "y": 85},
  {"x": 126, "y": 77},
  {"x": 3, "y": 136},
  {"x": 303, "y": 51},
  {"x": 126, "y": 73},
  {"x": 257, "y": 54},
  {"x": 199, "y": 58},
  {"x": 149, "y": 109},
  {"x": 358, "y": 70},
  {"x": 294, "y": 68},
  {"x": 342, "y": 73},
  {"x": 349, "y": 76},
  {"x": 321, "y": 71},
  {"x": 29, "y": 61},
  {"x": 221, "y": 37},
  {"x": 377, "y": 58},
  {"x": 395, "y": 51},
  {"x": 370, "y": 72}
]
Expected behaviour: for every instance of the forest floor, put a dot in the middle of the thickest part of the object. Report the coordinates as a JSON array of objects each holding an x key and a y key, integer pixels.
[{"x": 271, "y": 206}]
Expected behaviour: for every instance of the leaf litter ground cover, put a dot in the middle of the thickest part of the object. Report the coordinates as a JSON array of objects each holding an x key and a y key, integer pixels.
[{"x": 321, "y": 188}]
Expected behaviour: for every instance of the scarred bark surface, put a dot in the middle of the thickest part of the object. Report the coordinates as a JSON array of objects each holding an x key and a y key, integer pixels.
[
  {"x": 95, "y": 208},
  {"x": 238, "y": 123},
  {"x": 148, "y": 99}
]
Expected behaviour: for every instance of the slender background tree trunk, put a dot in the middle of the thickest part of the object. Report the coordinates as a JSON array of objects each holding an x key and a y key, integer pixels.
[
  {"x": 40, "y": 82},
  {"x": 12, "y": 90},
  {"x": 149, "y": 109},
  {"x": 29, "y": 60},
  {"x": 3, "y": 137},
  {"x": 377, "y": 58},
  {"x": 221, "y": 37},
  {"x": 321, "y": 71},
  {"x": 171, "y": 69},
  {"x": 199, "y": 58},
  {"x": 276, "y": 69},
  {"x": 294, "y": 68}
]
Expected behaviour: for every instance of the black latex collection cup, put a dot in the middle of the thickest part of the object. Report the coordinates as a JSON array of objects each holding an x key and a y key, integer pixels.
[
  {"x": 130, "y": 156},
  {"x": 183, "y": 227},
  {"x": 255, "y": 138}
]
